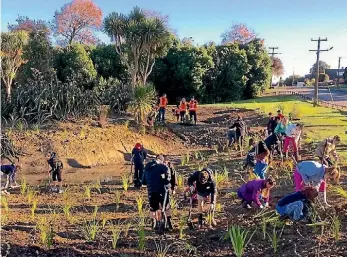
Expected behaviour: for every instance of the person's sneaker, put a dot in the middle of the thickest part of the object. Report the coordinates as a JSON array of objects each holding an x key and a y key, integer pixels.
[
  {"x": 60, "y": 191},
  {"x": 5, "y": 192},
  {"x": 53, "y": 189},
  {"x": 246, "y": 205}
]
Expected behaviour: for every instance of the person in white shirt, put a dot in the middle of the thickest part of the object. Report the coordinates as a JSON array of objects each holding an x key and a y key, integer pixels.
[{"x": 293, "y": 133}]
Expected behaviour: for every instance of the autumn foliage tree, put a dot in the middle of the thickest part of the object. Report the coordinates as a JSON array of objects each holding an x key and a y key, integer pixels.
[
  {"x": 238, "y": 33},
  {"x": 77, "y": 21},
  {"x": 277, "y": 66},
  {"x": 29, "y": 25}
]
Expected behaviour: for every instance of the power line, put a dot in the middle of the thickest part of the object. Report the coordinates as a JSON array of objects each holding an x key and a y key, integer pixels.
[
  {"x": 272, "y": 57},
  {"x": 318, "y": 51}
]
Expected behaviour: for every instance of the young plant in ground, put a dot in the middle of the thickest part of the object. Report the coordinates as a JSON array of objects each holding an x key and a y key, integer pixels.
[
  {"x": 340, "y": 191},
  {"x": 23, "y": 186},
  {"x": 66, "y": 209},
  {"x": 141, "y": 234},
  {"x": 90, "y": 230},
  {"x": 275, "y": 237},
  {"x": 173, "y": 205},
  {"x": 238, "y": 238},
  {"x": 87, "y": 192},
  {"x": 33, "y": 207},
  {"x": 97, "y": 186},
  {"x": 5, "y": 210},
  {"x": 181, "y": 224},
  {"x": 219, "y": 207},
  {"x": 183, "y": 160},
  {"x": 196, "y": 155},
  {"x": 336, "y": 227},
  {"x": 125, "y": 182},
  {"x": 209, "y": 218},
  {"x": 180, "y": 180},
  {"x": 46, "y": 231},
  {"x": 95, "y": 212},
  {"x": 117, "y": 196},
  {"x": 225, "y": 174},
  {"x": 116, "y": 231},
  {"x": 31, "y": 194},
  {"x": 127, "y": 228},
  {"x": 139, "y": 201},
  {"x": 187, "y": 158},
  {"x": 161, "y": 251}
]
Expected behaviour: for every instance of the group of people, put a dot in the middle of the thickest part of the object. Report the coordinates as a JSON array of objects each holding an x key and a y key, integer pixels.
[{"x": 158, "y": 111}]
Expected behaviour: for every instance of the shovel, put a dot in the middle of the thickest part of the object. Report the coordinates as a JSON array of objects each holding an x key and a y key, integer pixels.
[{"x": 163, "y": 214}]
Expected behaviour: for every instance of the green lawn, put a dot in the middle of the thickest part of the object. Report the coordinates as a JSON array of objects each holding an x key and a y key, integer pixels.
[{"x": 319, "y": 122}]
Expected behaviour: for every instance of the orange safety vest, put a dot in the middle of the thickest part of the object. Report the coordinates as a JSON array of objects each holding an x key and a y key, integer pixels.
[
  {"x": 193, "y": 105},
  {"x": 183, "y": 107},
  {"x": 163, "y": 102}
]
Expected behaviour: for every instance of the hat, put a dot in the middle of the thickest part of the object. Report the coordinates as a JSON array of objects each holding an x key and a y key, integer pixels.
[{"x": 138, "y": 146}]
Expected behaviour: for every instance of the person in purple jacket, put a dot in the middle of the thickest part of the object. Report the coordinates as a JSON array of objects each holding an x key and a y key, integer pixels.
[
  {"x": 254, "y": 190},
  {"x": 10, "y": 172}
]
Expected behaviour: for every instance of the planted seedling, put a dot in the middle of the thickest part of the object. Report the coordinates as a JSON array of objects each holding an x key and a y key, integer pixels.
[
  {"x": 139, "y": 201},
  {"x": 336, "y": 227},
  {"x": 116, "y": 230},
  {"x": 125, "y": 182},
  {"x": 87, "y": 192},
  {"x": 23, "y": 186},
  {"x": 46, "y": 231},
  {"x": 33, "y": 207},
  {"x": 90, "y": 230},
  {"x": 238, "y": 238},
  {"x": 117, "y": 196}
]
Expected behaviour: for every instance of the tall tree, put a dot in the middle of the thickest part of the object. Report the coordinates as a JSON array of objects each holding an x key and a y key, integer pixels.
[
  {"x": 322, "y": 67},
  {"x": 277, "y": 66},
  {"x": 12, "y": 44},
  {"x": 139, "y": 40},
  {"x": 77, "y": 21},
  {"x": 29, "y": 25},
  {"x": 238, "y": 33}
]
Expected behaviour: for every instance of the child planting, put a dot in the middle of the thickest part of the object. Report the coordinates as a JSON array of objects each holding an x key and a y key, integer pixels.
[
  {"x": 55, "y": 172},
  {"x": 296, "y": 206},
  {"x": 255, "y": 191},
  {"x": 327, "y": 148},
  {"x": 313, "y": 173},
  {"x": 10, "y": 171},
  {"x": 205, "y": 187}
]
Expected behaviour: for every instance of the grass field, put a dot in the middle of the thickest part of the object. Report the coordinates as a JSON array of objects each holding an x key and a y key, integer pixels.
[{"x": 319, "y": 122}]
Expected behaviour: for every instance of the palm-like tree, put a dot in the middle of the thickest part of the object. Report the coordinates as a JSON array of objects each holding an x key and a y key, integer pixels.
[{"x": 139, "y": 39}]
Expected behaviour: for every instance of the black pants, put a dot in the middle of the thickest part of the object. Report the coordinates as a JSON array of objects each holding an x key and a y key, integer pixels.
[
  {"x": 182, "y": 114},
  {"x": 56, "y": 175},
  {"x": 156, "y": 201},
  {"x": 191, "y": 115},
  {"x": 138, "y": 173}
]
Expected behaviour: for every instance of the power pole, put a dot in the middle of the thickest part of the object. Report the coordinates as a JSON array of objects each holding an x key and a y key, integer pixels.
[
  {"x": 318, "y": 50},
  {"x": 338, "y": 72},
  {"x": 272, "y": 56}
]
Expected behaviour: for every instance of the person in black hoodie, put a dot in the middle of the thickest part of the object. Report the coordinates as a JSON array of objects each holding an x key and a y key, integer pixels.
[
  {"x": 157, "y": 177},
  {"x": 205, "y": 187},
  {"x": 139, "y": 155},
  {"x": 271, "y": 125},
  {"x": 241, "y": 129}
]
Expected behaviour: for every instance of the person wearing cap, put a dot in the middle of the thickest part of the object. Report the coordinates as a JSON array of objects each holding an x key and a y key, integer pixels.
[
  {"x": 157, "y": 177},
  {"x": 297, "y": 206},
  {"x": 255, "y": 191},
  {"x": 10, "y": 171},
  {"x": 315, "y": 174},
  {"x": 193, "y": 104},
  {"x": 327, "y": 148},
  {"x": 162, "y": 107},
  {"x": 139, "y": 155},
  {"x": 205, "y": 187},
  {"x": 293, "y": 134},
  {"x": 271, "y": 125}
]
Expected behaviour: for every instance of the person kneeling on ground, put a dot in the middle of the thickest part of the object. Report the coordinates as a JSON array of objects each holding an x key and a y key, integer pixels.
[
  {"x": 255, "y": 191},
  {"x": 139, "y": 155},
  {"x": 205, "y": 186},
  {"x": 313, "y": 173},
  {"x": 56, "y": 170},
  {"x": 157, "y": 178},
  {"x": 10, "y": 171},
  {"x": 327, "y": 148},
  {"x": 296, "y": 206}
]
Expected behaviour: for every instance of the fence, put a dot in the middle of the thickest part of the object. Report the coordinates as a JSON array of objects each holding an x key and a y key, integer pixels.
[{"x": 307, "y": 98}]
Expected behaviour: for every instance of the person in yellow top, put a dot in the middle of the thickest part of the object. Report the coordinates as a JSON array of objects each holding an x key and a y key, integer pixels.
[
  {"x": 183, "y": 109},
  {"x": 193, "y": 104},
  {"x": 327, "y": 148},
  {"x": 162, "y": 107}
]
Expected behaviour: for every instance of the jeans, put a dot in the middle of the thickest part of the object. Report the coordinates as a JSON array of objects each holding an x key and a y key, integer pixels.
[
  {"x": 294, "y": 210},
  {"x": 162, "y": 114},
  {"x": 138, "y": 172},
  {"x": 260, "y": 169}
]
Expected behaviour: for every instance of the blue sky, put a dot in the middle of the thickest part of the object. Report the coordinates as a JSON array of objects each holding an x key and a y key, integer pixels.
[{"x": 288, "y": 24}]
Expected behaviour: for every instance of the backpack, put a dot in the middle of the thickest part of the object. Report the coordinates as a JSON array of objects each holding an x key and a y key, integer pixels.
[{"x": 54, "y": 162}]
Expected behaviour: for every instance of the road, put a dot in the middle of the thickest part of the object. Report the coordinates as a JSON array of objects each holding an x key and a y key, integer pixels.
[{"x": 337, "y": 96}]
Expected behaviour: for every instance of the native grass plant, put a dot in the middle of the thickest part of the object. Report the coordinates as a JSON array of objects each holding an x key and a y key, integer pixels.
[
  {"x": 219, "y": 207},
  {"x": 340, "y": 191},
  {"x": 33, "y": 207},
  {"x": 220, "y": 178},
  {"x": 197, "y": 155},
  {"x": 125, "y": 182},
  {"x": 46, "y": 231},
  {"x": 183, "y": 160},
  {"x": 161, "y": 250},
  {"x": 180, "y": 180},
  {"x": 141, "y": 103},
  {"x": 187, "y": 158},
  {"x": 181, "y": 224},
  {"x": 139, "y": 202},
  {"x": 127, "y": 228},
  {"x": 87, "y": 192},
  {"x": 66, "y": 209},
  {"x": 5, "y": 210},
  {"x": 275, "y": 236},
  {"x": 23, "y": 186},
  {"x": 209, "y": 218},
  {"x": 173, "y": 205},
  {"x": 90, "y": 229},
  {"x": 336, "y": 227},
  {"x": 31, "y": 194},
  {"x": 117, "y": 197},
  {"x": 97, "y": 186},
  {"x": 103, "y": 220},
  {"x": 95, "y": 211},
  {"x": 238, "y": 238},
  {"x": 141, "y": 233},
  {"x": 116, "y": 231}
]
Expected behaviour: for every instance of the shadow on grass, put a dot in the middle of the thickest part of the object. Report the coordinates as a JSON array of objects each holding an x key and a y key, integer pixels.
[{"x": 75, "y": 164}]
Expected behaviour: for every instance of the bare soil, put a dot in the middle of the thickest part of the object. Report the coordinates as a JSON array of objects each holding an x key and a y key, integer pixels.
[{"x": 102, "y": 155}]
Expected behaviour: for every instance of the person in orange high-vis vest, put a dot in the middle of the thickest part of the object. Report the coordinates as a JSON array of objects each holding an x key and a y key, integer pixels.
[
  {"x": 193, "y": 105},
  {"x": 183, "y": 109},
  {"x": 162, "y": 107}
]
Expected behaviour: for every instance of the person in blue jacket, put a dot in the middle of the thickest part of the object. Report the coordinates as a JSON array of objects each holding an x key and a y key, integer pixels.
[
  {"x": 157, "y": 177},
  {"x": 296, "y": 206},
  {"x": 139, "y": 155},
  {"x": 10, "y": 171}
]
